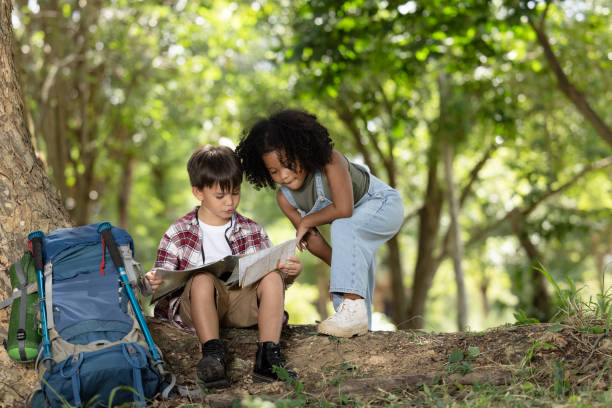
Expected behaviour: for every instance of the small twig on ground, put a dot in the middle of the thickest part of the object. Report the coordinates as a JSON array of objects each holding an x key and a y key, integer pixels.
[{"x": 594, "y": 347}]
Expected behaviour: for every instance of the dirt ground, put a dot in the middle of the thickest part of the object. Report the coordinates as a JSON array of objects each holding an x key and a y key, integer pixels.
[
  {"x": 367, "y": 368},
  {"x": 393, "y": 362}
]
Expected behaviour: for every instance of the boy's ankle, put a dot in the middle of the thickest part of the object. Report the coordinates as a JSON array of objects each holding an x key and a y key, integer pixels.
[
  {"x": 211, "y": 369},
  {"x": 213, "y": 346},
  {"x": 269, "y": 356}
]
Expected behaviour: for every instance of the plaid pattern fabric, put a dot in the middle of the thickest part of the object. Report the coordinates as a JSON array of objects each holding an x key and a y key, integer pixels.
[{"x": 181, "y": 246}]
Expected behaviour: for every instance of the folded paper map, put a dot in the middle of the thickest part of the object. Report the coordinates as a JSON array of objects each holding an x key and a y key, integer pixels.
[{"x": 233, "y": 269}]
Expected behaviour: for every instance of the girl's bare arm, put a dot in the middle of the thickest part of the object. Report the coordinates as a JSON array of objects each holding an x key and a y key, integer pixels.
[
  {"x": 337, "y": 174},
  {"x": 312, "y": 240}
]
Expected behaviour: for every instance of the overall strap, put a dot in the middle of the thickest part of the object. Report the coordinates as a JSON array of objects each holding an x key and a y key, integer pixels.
[
  {"x": 319, "y": 185},
  {"x": 287, "y": 193}
]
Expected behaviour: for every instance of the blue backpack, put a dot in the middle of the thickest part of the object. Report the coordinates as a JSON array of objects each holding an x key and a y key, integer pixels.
[{"x": 96, "y": 347}]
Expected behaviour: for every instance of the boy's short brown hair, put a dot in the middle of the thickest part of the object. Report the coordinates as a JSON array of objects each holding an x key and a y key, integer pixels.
[{"x": 210, "y": 164}]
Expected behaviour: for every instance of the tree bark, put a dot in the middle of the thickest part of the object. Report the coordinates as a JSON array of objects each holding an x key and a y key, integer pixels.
[
  {"x": 323, "y": 286},
  {"x": 398, "y": 306},
  {"x": 28, "y": 201},
  {"x": 429, "y": 224}
]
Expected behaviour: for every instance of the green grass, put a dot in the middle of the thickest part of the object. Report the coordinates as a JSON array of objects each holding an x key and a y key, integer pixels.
[{"x": 551, "y": 385}]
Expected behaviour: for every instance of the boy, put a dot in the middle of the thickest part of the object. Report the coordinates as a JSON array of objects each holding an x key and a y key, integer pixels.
[{"x": 208, "y": 233}]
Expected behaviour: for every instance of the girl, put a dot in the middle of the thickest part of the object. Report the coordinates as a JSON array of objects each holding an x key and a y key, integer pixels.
[{"x": 318, "y": 186}]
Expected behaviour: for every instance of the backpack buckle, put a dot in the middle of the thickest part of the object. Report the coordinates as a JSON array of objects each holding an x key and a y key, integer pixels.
[{"x": 21, "y": 334}]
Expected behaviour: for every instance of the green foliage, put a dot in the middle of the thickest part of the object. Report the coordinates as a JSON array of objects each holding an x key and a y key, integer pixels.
[
  {"x": 530, "y": 352},
  {"x": 555, "y": 328},
  {"x": 95, "y": 401},
  {"x": 120, "y": 93},
  {"x": 522, "y": 318},
  {"x": 461, "y": 361},
  {"x": 572, "y": 306},
  {"x": 341, "y": 372},
  {"x": 561, "y": 383}
]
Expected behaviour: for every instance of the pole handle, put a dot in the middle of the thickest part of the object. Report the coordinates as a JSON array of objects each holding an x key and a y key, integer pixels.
[
  {"x": 35, "y": 238},
  {"x": 111, "y": 245}
]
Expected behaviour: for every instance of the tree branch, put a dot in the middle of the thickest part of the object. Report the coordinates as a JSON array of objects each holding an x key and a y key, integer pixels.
[
  {"x": 467, "y": 190},
  {"x": 569, "y": 90},
  {"x": 484, "y": 232},
  {"x": 348, "y": 119},
  {"x": 410, "y": 215}
]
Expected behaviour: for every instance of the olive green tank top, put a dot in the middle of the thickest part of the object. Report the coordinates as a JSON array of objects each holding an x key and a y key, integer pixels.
[{"x": 306, "y": 196}]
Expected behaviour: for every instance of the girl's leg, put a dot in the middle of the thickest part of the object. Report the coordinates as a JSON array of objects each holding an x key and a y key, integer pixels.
[{"x": 355, "y": 243}]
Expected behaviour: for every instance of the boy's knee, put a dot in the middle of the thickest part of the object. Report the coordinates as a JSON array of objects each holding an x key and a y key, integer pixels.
[
  {"x": 202, "y": 282},
  {"x": 272, "y": 281}
]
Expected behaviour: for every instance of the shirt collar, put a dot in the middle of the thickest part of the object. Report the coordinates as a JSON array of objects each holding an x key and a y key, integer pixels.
[{"x": 235, "y": 226}]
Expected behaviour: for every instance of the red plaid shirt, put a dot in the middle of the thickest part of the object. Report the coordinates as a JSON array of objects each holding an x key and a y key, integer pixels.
[{"x": 181, "y": 246}]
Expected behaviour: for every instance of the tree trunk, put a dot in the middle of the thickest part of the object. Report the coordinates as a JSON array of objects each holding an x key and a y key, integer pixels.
[
  {"x": 538, "y": 296},
  {"x": 429, "y": 223},
  {"x": 125, "y": 189},
  {"x": 67, "y": 103},
  {"x": 398, "y": 310},
  {"x": 449, "y": 134},
  {"x": 457, "y": 245},
  {"x": 323, "y": 287},
  {"x": 484, "y": 288},
  {"x": 28, "y": 201}
]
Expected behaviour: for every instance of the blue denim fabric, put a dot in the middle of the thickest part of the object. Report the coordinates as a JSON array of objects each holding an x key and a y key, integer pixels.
[{"x": 376, "y": 218}]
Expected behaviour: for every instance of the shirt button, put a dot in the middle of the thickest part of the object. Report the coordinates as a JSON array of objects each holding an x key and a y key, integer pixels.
[
  {"x": 377, "y": 195},
  {"x": 321, "y": 199}
]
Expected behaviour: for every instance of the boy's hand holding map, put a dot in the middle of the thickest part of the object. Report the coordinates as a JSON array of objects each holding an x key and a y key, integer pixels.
[{"x": 233, "y": 269}]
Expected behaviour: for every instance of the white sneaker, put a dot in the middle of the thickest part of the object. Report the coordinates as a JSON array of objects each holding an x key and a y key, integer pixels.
[{"x": 351, "y": 319}]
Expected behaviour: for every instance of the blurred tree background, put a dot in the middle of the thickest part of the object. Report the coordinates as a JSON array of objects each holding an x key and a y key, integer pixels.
[{"x": 491, "y": 118}]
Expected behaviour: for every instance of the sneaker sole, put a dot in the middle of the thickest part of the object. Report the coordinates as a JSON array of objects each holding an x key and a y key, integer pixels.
[{"x": 341, "y": 332}]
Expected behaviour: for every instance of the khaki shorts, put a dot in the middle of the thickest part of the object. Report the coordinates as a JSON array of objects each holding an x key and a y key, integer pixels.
[{"x": 236, "y": 307}]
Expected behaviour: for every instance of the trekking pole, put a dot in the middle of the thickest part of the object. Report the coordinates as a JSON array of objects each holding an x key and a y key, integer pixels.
[
  {"x": 111, "y": 245},
  {"x": 35, "y": 239}
]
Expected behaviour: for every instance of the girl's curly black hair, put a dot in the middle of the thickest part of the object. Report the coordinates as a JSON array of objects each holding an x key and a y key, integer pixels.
[{"x": 303, "y": 139}]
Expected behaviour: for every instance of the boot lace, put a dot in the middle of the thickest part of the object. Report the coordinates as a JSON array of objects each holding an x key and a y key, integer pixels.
[{"x": 275, "y": 358}]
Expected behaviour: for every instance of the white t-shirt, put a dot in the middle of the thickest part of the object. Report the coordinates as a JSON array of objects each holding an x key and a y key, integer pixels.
[{"x": 215, "y": 244}]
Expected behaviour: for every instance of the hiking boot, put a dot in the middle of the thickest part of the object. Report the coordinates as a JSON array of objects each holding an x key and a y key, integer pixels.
[
  {"x": 351, "y": 319},
  {"x": 211, "y": 368},
  {"x": 269, "y": 355}
]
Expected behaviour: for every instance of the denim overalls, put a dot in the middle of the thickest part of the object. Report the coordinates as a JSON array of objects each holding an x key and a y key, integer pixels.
[{"x": 376, "y": 218}]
